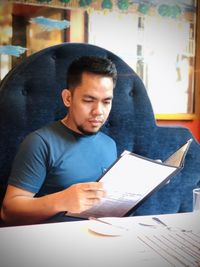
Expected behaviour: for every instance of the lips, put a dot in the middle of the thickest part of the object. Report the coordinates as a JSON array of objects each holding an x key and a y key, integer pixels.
[{"x": 95, "y": 122}]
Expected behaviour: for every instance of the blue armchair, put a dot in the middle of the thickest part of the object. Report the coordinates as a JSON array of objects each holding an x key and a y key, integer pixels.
[{"x": 30, "y": 98}]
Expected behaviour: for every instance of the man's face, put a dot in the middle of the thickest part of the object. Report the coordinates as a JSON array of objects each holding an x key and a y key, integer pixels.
[{"x": 89, "y": 104}]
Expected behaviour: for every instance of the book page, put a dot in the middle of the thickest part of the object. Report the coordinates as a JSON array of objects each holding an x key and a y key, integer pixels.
[
  {"x": 176, "y": 159},
  {"x": 127, "y": 182}
]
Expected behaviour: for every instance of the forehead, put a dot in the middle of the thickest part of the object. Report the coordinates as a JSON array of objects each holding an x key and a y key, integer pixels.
[{"x": 92, "y": 84}]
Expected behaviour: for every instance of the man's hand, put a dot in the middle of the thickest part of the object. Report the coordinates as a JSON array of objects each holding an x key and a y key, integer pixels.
[
  {"x": 82, "y": 196},
  {"x": 21, "y": 207}
]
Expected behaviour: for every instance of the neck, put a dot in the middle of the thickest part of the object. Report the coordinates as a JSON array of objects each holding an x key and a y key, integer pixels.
[{"x": 66, "y": 123}]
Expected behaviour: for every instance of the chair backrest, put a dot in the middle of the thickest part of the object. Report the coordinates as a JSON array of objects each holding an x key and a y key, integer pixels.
[{"x": 30, "y": 97}]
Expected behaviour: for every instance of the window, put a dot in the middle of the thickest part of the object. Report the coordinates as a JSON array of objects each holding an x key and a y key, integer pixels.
[{"x": 160, "y": 49}]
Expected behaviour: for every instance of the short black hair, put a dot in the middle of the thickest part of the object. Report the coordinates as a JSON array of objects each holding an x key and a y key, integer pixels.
[{"x": 91, "y": 64}]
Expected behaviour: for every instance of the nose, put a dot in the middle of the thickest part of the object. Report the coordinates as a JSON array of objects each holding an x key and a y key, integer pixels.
[{"x": 98, "y": 109}]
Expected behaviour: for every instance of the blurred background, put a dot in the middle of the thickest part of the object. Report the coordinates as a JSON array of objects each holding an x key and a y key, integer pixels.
[{"x": 158, "y": 39}]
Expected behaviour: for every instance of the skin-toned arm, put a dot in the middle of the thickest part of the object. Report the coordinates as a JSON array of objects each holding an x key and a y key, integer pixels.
[{"x": 20, "y": 206}]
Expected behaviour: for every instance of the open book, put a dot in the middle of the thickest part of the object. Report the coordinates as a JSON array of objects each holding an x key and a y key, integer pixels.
[{"x": 132, "y": 179}]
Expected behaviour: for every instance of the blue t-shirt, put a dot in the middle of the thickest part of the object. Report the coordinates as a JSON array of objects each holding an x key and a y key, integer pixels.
[{"x": 54, "y": 157}]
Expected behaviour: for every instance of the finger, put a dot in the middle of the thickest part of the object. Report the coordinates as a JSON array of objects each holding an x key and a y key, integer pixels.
[
  {"x": 95, "y": 194},
  {"x": 98, "y": 186},
  {"x": 91, "y": 202}
]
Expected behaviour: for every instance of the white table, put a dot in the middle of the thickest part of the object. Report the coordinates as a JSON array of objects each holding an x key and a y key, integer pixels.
[{"x": 74, "y": 244}]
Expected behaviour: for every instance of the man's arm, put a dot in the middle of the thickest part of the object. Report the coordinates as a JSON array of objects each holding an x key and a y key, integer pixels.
[{"x": 21, "y": 207}]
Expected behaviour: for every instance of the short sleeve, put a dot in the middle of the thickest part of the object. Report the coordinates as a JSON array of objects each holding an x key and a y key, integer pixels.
[{"x": 30, "y": 164}]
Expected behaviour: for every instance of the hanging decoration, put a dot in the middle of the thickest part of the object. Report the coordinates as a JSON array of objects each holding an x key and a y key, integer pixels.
[
  {"x": 164, "y": 10},
  {"x": 175, "y": 11},
  {"x": 107, "y": 4},
  {"x": 143, "y": 8},
  {"x": 12, "y": 50},
  {"x": 84, "y": 3},
  {"x": 123, "y": 4},
  {"x": 169, "y": 11},
  {"x": 65, "y": 1},
  {"x": 50, "y": 24},
  {"x": 170, "y": 8}
]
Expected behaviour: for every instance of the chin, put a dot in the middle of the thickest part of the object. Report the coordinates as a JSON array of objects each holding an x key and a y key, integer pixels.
[
  {"x": 92, "y": 132},
  {"x": 89, "y": 131}
]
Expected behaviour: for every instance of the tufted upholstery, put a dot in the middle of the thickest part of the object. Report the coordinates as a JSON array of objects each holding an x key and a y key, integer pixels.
[{"x": 30, "y": 98}]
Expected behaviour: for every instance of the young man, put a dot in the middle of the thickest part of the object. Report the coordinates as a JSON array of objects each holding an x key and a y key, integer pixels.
[{"x": 57, "y": 166}]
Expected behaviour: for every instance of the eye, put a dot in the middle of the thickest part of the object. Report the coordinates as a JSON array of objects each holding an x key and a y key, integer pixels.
[
  {"x": 108, "y": 102},
  {"x": 88, "y": 100}
]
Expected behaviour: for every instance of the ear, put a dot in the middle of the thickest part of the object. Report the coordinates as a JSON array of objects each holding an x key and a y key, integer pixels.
[{"x": 66, "y": 97}]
